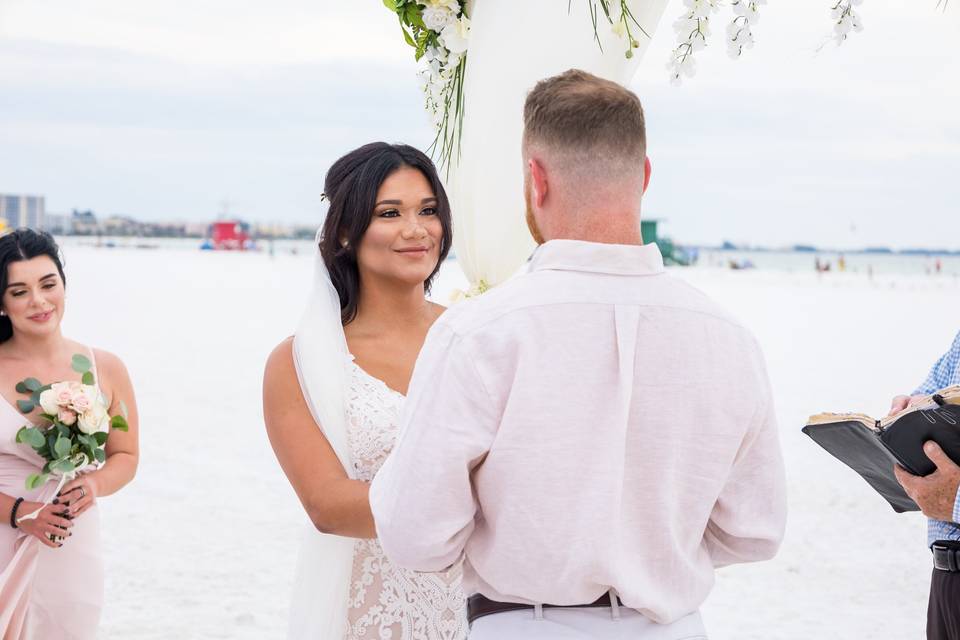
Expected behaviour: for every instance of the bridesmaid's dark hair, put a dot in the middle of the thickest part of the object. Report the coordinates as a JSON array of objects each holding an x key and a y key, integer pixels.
[
  {"x": 24, "y": 244},
  {"x": 351, "y": 187}
]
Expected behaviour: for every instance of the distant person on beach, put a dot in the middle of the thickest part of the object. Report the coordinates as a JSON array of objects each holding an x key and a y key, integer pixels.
[
  {"x": 939, "y": 499},
  {"x": 594, "y": 436},
  {"x": 51, "y": 558},
  {"x": 334, "y": 392}
]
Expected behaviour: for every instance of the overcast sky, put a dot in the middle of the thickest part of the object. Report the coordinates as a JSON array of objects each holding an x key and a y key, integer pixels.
[{"x": 165, "y": 110}]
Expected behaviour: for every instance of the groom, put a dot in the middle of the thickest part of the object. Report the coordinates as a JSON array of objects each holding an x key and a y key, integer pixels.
[{"x": 595, "y": 436}]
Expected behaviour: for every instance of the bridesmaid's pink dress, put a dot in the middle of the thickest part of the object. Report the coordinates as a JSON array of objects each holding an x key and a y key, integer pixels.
[{"x": 45, "y": 593}]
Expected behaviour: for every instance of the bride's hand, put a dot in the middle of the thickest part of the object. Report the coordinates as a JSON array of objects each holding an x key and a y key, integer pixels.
[
  {"x": 78, "y": 495},
  {"x": 48, "y": 524}
]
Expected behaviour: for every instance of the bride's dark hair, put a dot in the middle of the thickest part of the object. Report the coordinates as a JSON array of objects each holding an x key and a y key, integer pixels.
[
  {"x": 351, "y": 188},
  {"x": 24, "y": 244}
]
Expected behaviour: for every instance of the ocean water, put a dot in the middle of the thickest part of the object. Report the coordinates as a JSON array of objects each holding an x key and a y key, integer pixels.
[{"x": 877, "y": 264}]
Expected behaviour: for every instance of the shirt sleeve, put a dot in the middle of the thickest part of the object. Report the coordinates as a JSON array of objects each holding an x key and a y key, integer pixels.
[
  {"x": 956, "y": 508},
  {"x": 748, "y": 520},
  {"x": 942, "y": 371},
  {"x": 422, "y": 499}
]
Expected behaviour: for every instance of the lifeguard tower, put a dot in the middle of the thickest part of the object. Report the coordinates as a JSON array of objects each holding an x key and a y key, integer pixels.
[{"x": 672, "y": 255}]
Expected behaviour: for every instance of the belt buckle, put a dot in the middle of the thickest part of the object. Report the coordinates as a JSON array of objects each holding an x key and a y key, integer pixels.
[{"x": 944, "y": 558}]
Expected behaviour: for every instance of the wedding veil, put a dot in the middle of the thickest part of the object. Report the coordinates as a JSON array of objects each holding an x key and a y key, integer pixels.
[{"x": 319, "y": 607}]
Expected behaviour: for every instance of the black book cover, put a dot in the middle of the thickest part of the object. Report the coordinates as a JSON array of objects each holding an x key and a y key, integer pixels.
[{"x": 872, "y": 447}]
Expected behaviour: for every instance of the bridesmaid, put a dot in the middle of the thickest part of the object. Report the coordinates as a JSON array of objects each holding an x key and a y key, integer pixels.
[{"x": 51, "y": 568}]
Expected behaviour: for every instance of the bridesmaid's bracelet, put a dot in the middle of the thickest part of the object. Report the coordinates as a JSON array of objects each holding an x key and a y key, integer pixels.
[{"x": 13, "y": 513}]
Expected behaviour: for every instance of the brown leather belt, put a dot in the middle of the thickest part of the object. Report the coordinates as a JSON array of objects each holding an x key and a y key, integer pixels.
[{"x": 479, "y": 606}]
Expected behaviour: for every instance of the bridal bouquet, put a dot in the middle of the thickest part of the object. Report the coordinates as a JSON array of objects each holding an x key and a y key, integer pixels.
[{"x": 77, "y": 423}]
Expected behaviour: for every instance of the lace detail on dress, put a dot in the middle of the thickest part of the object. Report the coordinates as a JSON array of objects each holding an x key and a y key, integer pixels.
[{"x": 387, "y": 602}]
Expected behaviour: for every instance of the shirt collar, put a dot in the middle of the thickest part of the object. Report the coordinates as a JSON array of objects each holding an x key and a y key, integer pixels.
[{"x": 595, "y": 257}]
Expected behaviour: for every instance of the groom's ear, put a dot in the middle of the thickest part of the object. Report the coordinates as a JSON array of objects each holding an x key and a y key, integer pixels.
[
  {"x": 646, "y": 173},
  {"x": 538, "y": 180}
]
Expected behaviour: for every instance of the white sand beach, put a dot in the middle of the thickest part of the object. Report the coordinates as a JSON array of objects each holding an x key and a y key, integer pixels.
[{"x": 203, "y": 543}]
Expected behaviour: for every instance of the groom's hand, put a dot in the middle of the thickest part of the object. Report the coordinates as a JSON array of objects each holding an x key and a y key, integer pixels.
[{"x": 936, "y": 493}]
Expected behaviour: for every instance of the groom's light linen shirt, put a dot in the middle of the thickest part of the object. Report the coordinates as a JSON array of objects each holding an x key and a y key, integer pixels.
[{"x": 592, "y": 424}]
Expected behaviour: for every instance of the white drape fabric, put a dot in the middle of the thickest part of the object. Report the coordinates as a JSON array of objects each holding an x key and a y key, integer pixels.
[
  {"x": 321, "y": 589},
  {"x": 513, "y": 45}
]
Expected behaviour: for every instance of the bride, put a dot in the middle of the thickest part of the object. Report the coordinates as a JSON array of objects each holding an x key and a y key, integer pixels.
[{"x": 333, "y": 394}]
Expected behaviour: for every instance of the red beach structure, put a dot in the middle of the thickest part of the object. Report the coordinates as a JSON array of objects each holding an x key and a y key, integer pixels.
[{"x": 229, "y": 235}]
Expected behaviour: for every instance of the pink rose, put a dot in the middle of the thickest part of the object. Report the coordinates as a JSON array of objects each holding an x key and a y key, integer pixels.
[
  {"x": 66, "y": 416},
  {"x": 81, "y": 402},
  {"x": 63, "y": 396}
]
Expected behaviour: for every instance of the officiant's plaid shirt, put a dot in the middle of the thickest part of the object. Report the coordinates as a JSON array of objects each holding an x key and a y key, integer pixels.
[{"x": 944, "y": 373}]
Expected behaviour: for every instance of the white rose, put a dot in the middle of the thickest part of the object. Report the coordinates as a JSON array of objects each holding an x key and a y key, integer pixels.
[
  {"x": 450, "y": 5},
  {"x": 93, "y": 420},
  {"x": 454, "y": 37},
  {"x": 48, "y": 402},
  {"x": 437, "y": 18}
]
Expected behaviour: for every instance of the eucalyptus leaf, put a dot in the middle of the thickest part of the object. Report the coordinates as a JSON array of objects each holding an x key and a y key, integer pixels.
[
  {"x": 21, "y": 388},
  {"x": 120, "y": 423},
  {"x": 25, "y": 406},
  {"x": 88, "y": 378},
  {"x": 35, "y": 396},
  {"x": 32, "y": 436},
  {"x": 81, "y": 363},
  {"x": 63, "y": 466},
  {"x": 100, "y": 437},
  {"x": 35, "y": 480},
  {"x": 100, "y": 455},
  {"x": 61, "y": 447},
  {"x": 46, "y": 468},
  {"x": 63, "y": 430},
  {"x": 32, "y": 384}
]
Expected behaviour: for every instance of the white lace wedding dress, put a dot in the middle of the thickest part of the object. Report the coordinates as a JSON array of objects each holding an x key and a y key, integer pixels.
[{"x": 387, "y": 602}]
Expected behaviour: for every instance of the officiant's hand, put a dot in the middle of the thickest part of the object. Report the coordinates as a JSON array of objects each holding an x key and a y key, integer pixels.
[
  {"x": 937, "y": 492},
  {"x": 902, "y": 402}
]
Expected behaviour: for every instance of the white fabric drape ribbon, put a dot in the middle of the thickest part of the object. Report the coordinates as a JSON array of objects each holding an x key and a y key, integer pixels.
[{"x": 513, "y": 44}]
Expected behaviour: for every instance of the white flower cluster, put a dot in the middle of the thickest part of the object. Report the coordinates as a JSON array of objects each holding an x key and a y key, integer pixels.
[
  {"x": 440, "y": 64},
  {"x": 740, "y": 29},
  {"x": 693, "y": 29},
  {"x": 845, "y": 19}
]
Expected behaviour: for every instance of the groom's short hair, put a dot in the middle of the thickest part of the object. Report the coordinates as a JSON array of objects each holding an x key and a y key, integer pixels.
[{"x": 582, "y": 119}]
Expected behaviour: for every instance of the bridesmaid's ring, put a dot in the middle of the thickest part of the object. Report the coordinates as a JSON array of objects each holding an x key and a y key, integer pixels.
[{"x": 83, "y": 494}]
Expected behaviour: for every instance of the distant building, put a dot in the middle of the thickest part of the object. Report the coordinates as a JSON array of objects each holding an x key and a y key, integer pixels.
[
  {"x": 56, "y": 223},
  {"x": 120, "y": 226},
  {"x": 22, "y": 211},
  {"x": 83, "y": 223}
]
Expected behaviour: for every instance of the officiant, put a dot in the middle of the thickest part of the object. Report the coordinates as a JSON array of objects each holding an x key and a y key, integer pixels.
[{"x": 938, "y": 497}]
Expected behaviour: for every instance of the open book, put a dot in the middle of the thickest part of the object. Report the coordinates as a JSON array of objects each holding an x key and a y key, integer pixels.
[{"x": 872, "y": 447}]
